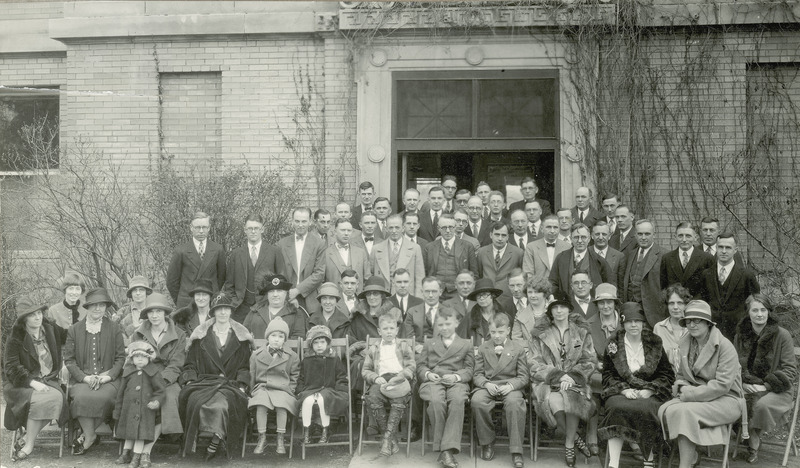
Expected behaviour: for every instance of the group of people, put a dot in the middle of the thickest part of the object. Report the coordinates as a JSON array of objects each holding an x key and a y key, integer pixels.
[{"x": 611, "y": 337}]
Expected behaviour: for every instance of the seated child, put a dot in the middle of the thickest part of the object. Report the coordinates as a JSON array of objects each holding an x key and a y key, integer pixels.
[
  {"x": 501, "y": 372},
  {"x": 138, "y": 401},
  {"x": 322, "y": 382},
  {"x": 388, "y": 369},
  {"x": 445, "y": 370},
  {"x": 273, "y": 378}
]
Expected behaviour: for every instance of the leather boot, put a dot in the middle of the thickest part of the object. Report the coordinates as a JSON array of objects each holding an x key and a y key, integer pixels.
[
  {"x": 324, "y": 437},
  {"x": 306, "y": 435},
  {"x": 261, "y": 444},
  {"x": 124, "y": 458},
  {"x": 379, "y": 414},
  {"x": 395, "y": 415},
  {"x": 280, "y": 447},
  {"x": 135, "y": 460}
]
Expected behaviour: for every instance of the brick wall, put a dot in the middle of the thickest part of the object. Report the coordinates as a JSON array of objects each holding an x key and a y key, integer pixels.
[{"x": 190, "y": 117}]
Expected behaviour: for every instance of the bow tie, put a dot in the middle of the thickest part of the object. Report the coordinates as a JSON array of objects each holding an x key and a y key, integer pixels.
[
  {"x": 553, "y": 245},
  {"x": 369, "y": 239},
  {"x": 343, "y": 247},
  {"x": 583, "y": 301},
  {"x": 299, "y": 238},
  {"x": 273, "y": 352}
]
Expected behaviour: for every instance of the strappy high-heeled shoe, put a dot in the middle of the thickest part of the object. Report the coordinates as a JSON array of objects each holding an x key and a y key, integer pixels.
[{"x": 569, "y": 456}]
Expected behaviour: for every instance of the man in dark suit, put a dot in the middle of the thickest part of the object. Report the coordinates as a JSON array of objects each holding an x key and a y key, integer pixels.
[
  {"x": 726, "y": 286},
  {"x": 449, "y": 186},
  {"x": 194, "y": 260},
  {"x": 349, "y": 286},
  {"x": 609, "y": 204},
  {"x": 640, "y": 281},
  {"x": 482, "y": 190},
  {"x": 533, "y": 210},
  {"x": 496, "y": 261},
  {"x": 578, "y": 258},
  {"x": 583, "y": 211},
  {"x": 465, "y": 284},
  {"x": 513, "y": 299},
  {"x": 521, "y": 236},
  {"x": 497, "y": 207},
  {"x": 462, "y": 197},
  {"x": 323, "y": 226},
  {"x": 248, "y": 265},
  {"x": 420, "y": 319},
  {"x": 411, "y": 229},
  {"x": 624, "y": 238},
  {"x": 341, "y": 256},
  {"x": 402, "y": 298},
  {"x": 581, "y": 297},
  {"x": 615, "y": 258},
  {"x": 304, "y": 258},
  {"x": 446, "y": 256},
  {"x": 429, "y": 219},
  {"x": 478, "y": 227},
  {"x": 368, "y": 236},
  {"x": 367, "y": 192},
  {"x": 462, "y": 221},
  {"x": 686, "y": 264},
  {"x": 382, "y": 210},
  {"x": 541, "y": 253},
  {"x": 529, "y": 191},
  {"x": 709, "y": 228},
  {"x": 410, "y": 201}
]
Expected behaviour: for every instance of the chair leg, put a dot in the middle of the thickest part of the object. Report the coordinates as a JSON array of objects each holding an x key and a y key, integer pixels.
[
  {"x": 361, "y": 425},
  {"x": 61, "y": 442},
  {"x": 408, "y": 429},
  {"x": 536, "y": 439},
  {"x": 291, "y": 437},
  {"x": 424, "y": 407},
  {"x": 244, "y": 436}
]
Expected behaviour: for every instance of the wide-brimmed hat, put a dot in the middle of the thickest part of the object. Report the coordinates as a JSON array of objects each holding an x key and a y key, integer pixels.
[
  {"x": 277, "y": 325},
  {"x": 396, "y": 390},
  {"x": 97, "y": 296},
  {"x": 27, "y": 306},
  {"x": 631, "y": 311},
  {"x": 153, "y": 302},
  {"x": 604, "y": 292},
  {"x": 202, "y": 285},
  {"x": 696, "y": 310},
  {"x": 329, "y": 289},
  {"x": 139, "y": 281},
  {"x": 274, "y": 282},
  {"x": 484, "y": 285},
  {"x": 222, "y": 300},
  {"x": 374, "y": 283},
  {"x": 318, "y": 331},
  {"x": 141, "y": 348}
]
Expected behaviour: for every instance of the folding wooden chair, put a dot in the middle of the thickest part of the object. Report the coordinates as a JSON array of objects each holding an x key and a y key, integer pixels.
[
  {"x": 73, "y": 429},
  {"x": 296, "y": 346},
  {"x": 361, "y": 441},
  {"x": 44, "y": 436},
  {"x": 341, "y": 346},
  {"x": 725, "y": 450}
]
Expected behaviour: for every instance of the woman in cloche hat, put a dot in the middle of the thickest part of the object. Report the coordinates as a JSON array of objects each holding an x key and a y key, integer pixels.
[
  {"x": 330, "y": 316},
  {"x": 272, "y": 303},
  {"x": 707, "y": 394},
  {"x": 68, "y": 311},
  {"x": 187, "y": 318},
  {"x": 31, "y": 365},
  {"x": 128, "y": 315}
]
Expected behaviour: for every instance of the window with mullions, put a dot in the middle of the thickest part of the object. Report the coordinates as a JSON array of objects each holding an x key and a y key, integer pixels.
[{"x": 28, "y": 129}]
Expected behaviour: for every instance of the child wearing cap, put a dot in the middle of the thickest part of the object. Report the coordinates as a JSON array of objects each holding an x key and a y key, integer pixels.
[
  {"x": 389, "y": 367},
  {"x": 138, "y": 401},
  {"x": 322, "y": 382},
  {"x": 273, "y": 378}
]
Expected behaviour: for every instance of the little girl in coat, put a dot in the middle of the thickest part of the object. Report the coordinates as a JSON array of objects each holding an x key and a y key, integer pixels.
[
  {"x": 322, "y": 382},
  {"x": 138, "y": 401},
  {"x": 273, "y": 379}
]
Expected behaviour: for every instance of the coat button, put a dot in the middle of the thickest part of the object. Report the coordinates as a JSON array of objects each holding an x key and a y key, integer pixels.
[
  {"x": 138, "y": 387},
  {"x": 221, "y": 374},
  {"x": 139, "y": 373}
]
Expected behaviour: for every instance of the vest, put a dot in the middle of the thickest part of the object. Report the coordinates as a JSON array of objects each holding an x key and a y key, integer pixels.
[
  {"x": 447, "y": 270},
  {"x": 635, "y": 285},
  {"x": 250, "y": 295}
]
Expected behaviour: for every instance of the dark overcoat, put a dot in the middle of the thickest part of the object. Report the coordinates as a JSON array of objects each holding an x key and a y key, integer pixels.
[
  {"x": 326, "y": 375},
  {"x": 135, "y": 421}
]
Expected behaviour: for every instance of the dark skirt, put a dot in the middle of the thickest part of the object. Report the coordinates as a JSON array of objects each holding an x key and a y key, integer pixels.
[
  {"x": 335, "y": 400},
  {"x": 632, "y": 420},
  {"x": 88, "y": 403},
  {"x": 214, "y": 416}
]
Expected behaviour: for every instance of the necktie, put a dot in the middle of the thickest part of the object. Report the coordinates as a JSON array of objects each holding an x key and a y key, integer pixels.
[
  {"x": 369, "y": 239},
  {"x": 475, "y": 229},
  {"x": 253, "y": 255},
  {"x": 324, "y": 237},
  {"x": 343, "y": 247},
  {"x": 601, "y": 253},
  {"x": 583, "y": 301},
  {"x": 641, "y": 255},
  {"x": 533, "y": 231},
  {"x": 521, "y": 243},
  {"x": 402, "y": 306},
  {"x": 519, "y": 305},
  {"x": 577, "y": 260},
  {"x": 685, "y": 259},
  {"x": 447, "y": 247},
  {"x": 723, "y": 275},
  {"x": 202, "y": 249},
  {"x": 395, "y": 248},
  {"x": 299, "y": 238},
  {"x": 553, "y": 245},
  {"x": 708, "y": 249},
  {"x": 429, "y": 315},
  {"x": 581, "y": 216},
  {"x": 497, "y": 258},
  {"x": 435, "y": 218}
]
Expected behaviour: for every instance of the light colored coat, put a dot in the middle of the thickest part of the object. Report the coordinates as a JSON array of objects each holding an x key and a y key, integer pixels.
[
  {"x": 410, "y": 258},
  {"x": 535, "y": 260},
  {"x": 359, "y": 261}
]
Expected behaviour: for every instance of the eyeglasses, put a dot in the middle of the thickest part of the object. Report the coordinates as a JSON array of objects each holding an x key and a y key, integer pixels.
[
  {"x": 483, "y": 295},
  {"x": 581, "y": 283},
  {"x": 694, "y": 321},
  {"x": 200, "y": 228},
  {"x": 450, "y": 187},
  {"x": 447, "y": 228},
  {"x": 253, "y": 229}
]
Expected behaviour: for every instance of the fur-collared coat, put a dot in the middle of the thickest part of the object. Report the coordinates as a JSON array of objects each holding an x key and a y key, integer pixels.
[
  {"x": 21, "y": 366},
  {"x": 186, "y": 318},
  {"x": 547, "y": 368},
  {"x": 135, "y": 421},
  {"x": 257, "y": 320},
  {"x": 207, "y": 373},
  {"x": 656, "y": 374},
  {"x": 767, "y": 358}
]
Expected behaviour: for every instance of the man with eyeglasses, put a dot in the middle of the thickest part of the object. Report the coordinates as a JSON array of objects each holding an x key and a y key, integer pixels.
[
  {"x": 533, "y": 211},
  {"x": 582, "y": 294},
  {"x": 446, "y": 256},
  {"x": 248, "y": 265},
  {"x": 192, "y": 261},
  {"x": 529, "y": 191},
  {"x": 579, "y": 258},
  {"x": 478, "y": 227},
  {"x": 462, "y": 197},
  {"x": 462, "y": 221}
]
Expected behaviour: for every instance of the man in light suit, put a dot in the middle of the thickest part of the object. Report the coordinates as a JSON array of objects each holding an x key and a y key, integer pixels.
[
  {"x": 446, "y": 256},
  {"x": 686, "y": 264},
  {"x": 304, "y": 257},
  {"x": 478, "y": 227},
  {"x": 197, "y": 259},
  {"x": 401, "y": 298},
  {"x": 368, "y": 236},
  {"x": 342, "y": 256},
  {"x": 397, "y": 252},
  {"x": 462, "y": 220},
  {"x": 640, "y": 281},
  {"x": 600, "y": 235},
  {"x": 465, "y": 284},
  {"x": 579, "y": 258},
  {"x": 541, "y": 253},
  {"x": 367, "y": 192},
  {"x": 429, "y": 219},
  {"x": 583, "y": 211},
  {"x": 496, "y": 261},
  {"x": 624, "y": 238},
  {"x": 249, "y": 265}
]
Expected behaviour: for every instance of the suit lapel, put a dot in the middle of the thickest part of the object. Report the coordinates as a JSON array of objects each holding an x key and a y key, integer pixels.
[
  {"x": 691, "y": 266},
  {"x": 333, "y": 254},
  {"x": 291, "y": 257},
  {"x": 406, "y": 249},
  {"x": 210, "y": 347},
  {"x": 732, "y": 281}
]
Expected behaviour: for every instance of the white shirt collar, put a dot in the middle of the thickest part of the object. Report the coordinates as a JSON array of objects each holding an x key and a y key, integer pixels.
[
  {"x": 727, "y": 267},
  {"x": 502, "y": 252},
  {"x": 690, "y": 252}
]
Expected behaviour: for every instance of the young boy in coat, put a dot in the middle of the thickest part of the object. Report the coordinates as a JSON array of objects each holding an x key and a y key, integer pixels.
[
  {"x": 138, "y": 401},
  {"x": 501, "y": 372},
  {"x": 388, "y": 369},
  {"x": 445, "y": 371}
]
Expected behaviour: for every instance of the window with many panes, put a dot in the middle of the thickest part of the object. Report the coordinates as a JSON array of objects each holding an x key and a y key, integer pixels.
[{"x": 28, "y": 129}]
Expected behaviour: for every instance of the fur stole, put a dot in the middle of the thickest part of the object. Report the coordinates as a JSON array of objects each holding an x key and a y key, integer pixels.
[{"x": 242, "y": 334}]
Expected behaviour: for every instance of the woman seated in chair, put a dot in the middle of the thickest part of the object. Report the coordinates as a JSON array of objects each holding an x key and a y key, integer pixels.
[
  {"x": 485, "y": 295},
  {"x": 373, "y": 302},
  {"x": 563, "y": 360},
  {"x": 272, "y": 304},
  {"x": 215, "y": 379},
  {"x": 769, "y": 369},
  {"x": 538, "y": 291},
  {"x": 30, "y": 381},
  {"x": 707, "y": 394},
  {"x": 637, "y": 379},
  {"x": 94, "y": 354}
]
